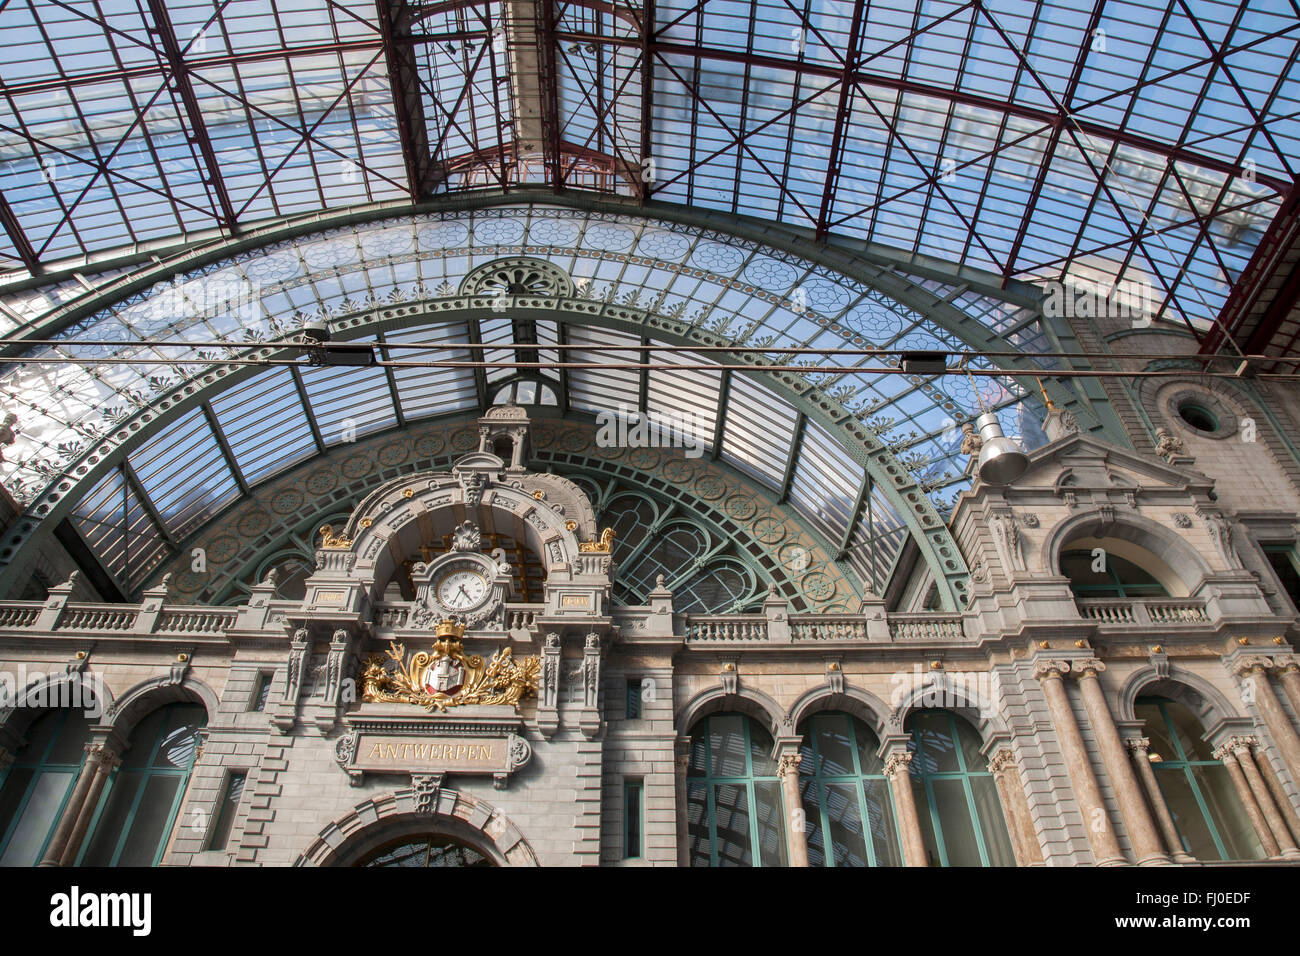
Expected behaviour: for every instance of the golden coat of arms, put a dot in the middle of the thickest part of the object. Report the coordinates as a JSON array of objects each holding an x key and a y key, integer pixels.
[{"x": 447, "y": 676}]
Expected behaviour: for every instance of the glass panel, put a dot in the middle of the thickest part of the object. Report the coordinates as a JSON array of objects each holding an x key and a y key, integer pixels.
[
  {"x": 632, "y": 815},
  {"x": 1157, "y": 731},
  {"x": 38, "y": 818},
  {"x": 1188, "y": 729},
  {"x": 15, "y": 788},
  {"x": 770, "y": 811},
  {"x": 727, "y": 746},
  {"x": 181, "y": 727},
  {"x": 880, "y": 820},
  {"x": 992, "y": 821},
  {"x": 833, "y": 745},
  {"x": 70, "y": 744},
  {"x": 40, "y": 735},
  {"x": 844, "y": 814},
  {"x": 151, "y": 826},
  {"x": 226, "y": 812},
  {"x": 112, "y": 820},
  {"x": 868, "y": 762},
  {"x": 1227, "y": 814},
  {"x": 959, "y": 840},
  {"x": 143, "y": 738},
  {"x": 1186, "y": 811},
  {"x": 699, "y": 754},
  {"x": 970, "y": 746},
  {"x": 731, "y": 821},
  {"x": 937, "y": 750},
  {"x": 932, "y": 856},
  {"x": 761, "y": 760},
  {"x": 697, "y": 823}
]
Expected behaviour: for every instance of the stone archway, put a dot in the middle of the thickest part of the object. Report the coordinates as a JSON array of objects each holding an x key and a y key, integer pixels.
[{"x": 460, "y": 817}]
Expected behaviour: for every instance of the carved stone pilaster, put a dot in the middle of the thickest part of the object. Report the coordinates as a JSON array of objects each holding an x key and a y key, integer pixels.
[
  {"x": 338, "y": 661},
  {"x": 548, "y": 713},
  {"x": 589, "y": 721},
  {"x": 286, "y": 711}
]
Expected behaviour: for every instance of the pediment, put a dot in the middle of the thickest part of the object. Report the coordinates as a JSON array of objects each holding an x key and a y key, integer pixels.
[{"x": 1082, "y": 463}]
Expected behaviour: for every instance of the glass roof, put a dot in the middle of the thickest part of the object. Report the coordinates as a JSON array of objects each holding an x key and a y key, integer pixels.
[
  {"x": 740, "y": 291},
  {"x": 1137, "y": 140}
]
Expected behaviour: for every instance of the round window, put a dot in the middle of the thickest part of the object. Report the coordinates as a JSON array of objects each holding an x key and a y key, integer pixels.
[{"x": 1198, "y": 416}]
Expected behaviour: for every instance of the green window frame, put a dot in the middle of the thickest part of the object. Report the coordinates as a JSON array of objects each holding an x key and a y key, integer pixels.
[
  {"x": 633, "y": 698},
  {"x": 843, "y": 784},
  {"x": 961, "y": 815},
  {"x": 1116, "y": 586},
  {"x": 145, "y": 772},
  {"x": 231, "y": 794},
  {"x": 633, "y": 819},
  {"x": 735, "y": 811},
  {"x": 261, "y": 692},
  {"x": 37, "y": 772},
  {"x": 1187, "y": 768}
]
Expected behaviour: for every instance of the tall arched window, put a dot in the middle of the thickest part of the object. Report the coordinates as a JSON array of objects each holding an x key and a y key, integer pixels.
[
  {"x": 734, "y": 812},
  {"x": 38, "y": 783},
  {"x": 961, "y": 817},
  {"x": 1211, "y": 821},
  {"x": 846, "y": 795},
  {"x": 1108, "y": 576},
  {"x": 135, "y": 817}
]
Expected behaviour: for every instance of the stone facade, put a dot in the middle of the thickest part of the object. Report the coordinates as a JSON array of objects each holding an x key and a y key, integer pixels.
[{"x": 1048, "y": 680}]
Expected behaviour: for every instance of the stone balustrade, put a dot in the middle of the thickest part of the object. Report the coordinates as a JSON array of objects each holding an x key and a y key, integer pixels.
[{"x": 1143, "y": 612}]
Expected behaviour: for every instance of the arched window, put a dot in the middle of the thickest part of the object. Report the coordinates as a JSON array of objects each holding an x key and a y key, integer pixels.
[
  {"x": 957, "y": 802},
  {"x": 1107, "y": 575},
  {"x": 734, "y": 812},
  {"x": 722, "y": 586},
  {"x": 431, "y": 850},
  {"x": 846, "y": 796},
  {"x": 670, "y": 554},
  {"x": 1211, "y": 821},
  {"x": 135, "y": 817},
  {"x": 38, "y": 783}
]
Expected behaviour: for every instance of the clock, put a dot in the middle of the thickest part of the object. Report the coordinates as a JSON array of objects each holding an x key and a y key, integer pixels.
[{"x": 468, "y": 586}]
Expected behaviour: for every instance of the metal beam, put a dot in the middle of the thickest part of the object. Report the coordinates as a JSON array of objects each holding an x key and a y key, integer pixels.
[
  {"x": 475, "y": 335},
  {"x": 854, "y": 515},
  {"x": 14, "y": 230},
  {"x": 796, "y": 445},
  {"x": 231, "y": 462},
  {"x": 307, "y": 413},
  {"x": 100, "y": 577},
  {"x": 162, "y": 27},
  {"x": 841, "y": 119},
  {"x": 142, "y": 496},
  {"x": 395, "y": 21},
  {"x": 719, "y": 424}
]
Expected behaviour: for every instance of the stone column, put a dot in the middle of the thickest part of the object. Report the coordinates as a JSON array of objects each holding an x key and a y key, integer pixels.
[
  {"x": 1270, "y": 708},
  {"x": 1290, "y": 678},
  {"x": 1279, "y": 795},
  {"x": 1128, "y": 792},
  {"x": 72, "y": 809},
  {"x": 898, "y": 770},
  {"x": 681, "y": 763},
  {"x": 1096, "y": 822},
  {"x": 1286, "y": 845},
  {"x": 796, "y": 826},
  {"x": 1227, "y": 753},
  {"x": 1140, "y": 748},
  {"x": 105, "y": 760},
  {"x": 1020, "y": 823}
]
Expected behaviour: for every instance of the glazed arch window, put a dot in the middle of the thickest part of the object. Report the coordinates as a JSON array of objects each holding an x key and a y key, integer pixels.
[
  {"x": 1286, "y": 565},
  {"x": 135, "y": 817},
  {"x": 36, "y": 786},
  {"x": 846, "y": 797},
  {"x": 962, "y": 821},
  {"x": 1212, "y": 824},
  {"x": 734, "y": 810},
  {"x": 1108, "y": 575}
]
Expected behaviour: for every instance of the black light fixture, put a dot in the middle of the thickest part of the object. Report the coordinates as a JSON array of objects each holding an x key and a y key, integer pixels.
[
  {"x": 358, "y": 355},
  {"x": 316, "y": 330},
  {"x": 931, "y": 362}
]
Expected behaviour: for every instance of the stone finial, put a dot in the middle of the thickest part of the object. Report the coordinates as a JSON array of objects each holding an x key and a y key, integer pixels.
[
  {"x": 970, "y": 441},
  {"x": 1168, "y": 445}
]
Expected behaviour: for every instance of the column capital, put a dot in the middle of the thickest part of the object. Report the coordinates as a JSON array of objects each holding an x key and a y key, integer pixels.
[
  {"x": 1046, "y": 668},
  {"x": 1245, "y": 665},
  {"x": 1138, "y": 745},
  {"x": 1286, "y": 665},
  {"x": 898, "y": 760},
  {"x": 1087, "y": 667},
  {"x": 788, "y": 763},
  {"x": 1235, "y": 745}
]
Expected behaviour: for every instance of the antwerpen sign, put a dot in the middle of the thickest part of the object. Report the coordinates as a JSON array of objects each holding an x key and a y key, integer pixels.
[{"x": 362, "y": 752}]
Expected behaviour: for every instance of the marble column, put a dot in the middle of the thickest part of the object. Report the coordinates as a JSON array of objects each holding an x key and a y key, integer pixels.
[
  {"x": 1141, "y": 829},
  {"x": 898, "y": 770},
  {"x": 1286, "y": 845},
  {"x": 106, "y": 760},
  {"x": 1020, "y": 822},
  {"x": 1087, "y": 792},
  {"x": 1279, "y": 724},
  {"x": 1140, "y": 748},
  {"x": 681, "y": 763},
  {"x": 1279, "y": 795},
  {"x": 1227, "y": 753},
  {"x": 796, "y": 823},
  {"x": 1289, "y": 675},
  {"x": 73, "y": 808}
]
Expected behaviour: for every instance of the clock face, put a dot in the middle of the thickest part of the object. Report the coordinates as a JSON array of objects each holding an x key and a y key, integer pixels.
[{"x": 461, "y": 590}]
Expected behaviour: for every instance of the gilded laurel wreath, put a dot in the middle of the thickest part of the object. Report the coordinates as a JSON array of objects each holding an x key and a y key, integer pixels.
[{"x": 505, "y": 679}]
